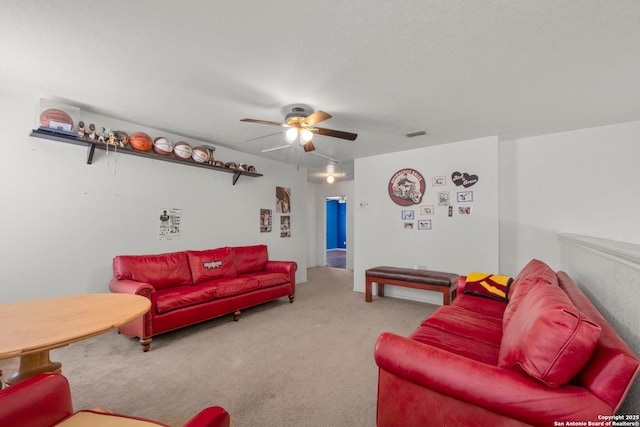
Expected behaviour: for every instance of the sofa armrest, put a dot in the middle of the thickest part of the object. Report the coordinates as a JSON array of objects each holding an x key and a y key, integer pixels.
[
  {"x": 462, "y": 280},
  {"x": 127, "y": 286},
  {"x": 498, "y": 390},
  {"x": 41, "y": 400},
  {"x": 214, "y": 416},
  {"x": 287, "y": 267}
]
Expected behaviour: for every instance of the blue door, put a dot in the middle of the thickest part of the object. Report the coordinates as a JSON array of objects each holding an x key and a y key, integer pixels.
[{"x": 336, "y": 225}]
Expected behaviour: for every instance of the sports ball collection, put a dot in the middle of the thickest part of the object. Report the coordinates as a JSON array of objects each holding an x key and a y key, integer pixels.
[{"x": 141, "y": 141}]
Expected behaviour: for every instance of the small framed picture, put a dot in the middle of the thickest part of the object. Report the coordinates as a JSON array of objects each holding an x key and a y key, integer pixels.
[
  {"x": 409, "y": 214},
  {"x": 285, "y": 226},
  {"x": 443, "y": 198},
  {"x": 424, "y": 224},
  {"x": 265, "y": 220},
  {"x": 438, "y": 181},
  {"x": 427, "y": 210},
  {"x": 465, "y": 196},
  {"x": 464, "y": 210},
  {"x": 408, "y": 225}
]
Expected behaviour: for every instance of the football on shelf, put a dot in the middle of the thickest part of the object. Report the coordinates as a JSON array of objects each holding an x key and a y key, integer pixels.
[
  {"x": 55, "y": 118},
  {"x": 200, "y": 154},
  {"x": 162, "y": 146},
  {"x": 182, "y": 150},
  {"x": 140, "y": 141}
]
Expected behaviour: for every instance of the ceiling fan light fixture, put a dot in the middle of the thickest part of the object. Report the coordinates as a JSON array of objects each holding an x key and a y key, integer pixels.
[
  {"x": 291, "y": 134},
  {"x": 305, "y": 136},
  {"x": 330, "y": 179}
]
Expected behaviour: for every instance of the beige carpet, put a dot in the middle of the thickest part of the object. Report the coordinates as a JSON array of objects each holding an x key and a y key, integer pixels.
[{"x": 309, "y": 363}]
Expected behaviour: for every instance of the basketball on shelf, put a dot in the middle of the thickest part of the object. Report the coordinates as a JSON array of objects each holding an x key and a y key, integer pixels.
[
  {"x": 182, "y": 150},
  {"x": 55, "y": 118},
  {"x": 162, "y": 146},
  {"x": 140, "y": 141},
  {"x": 201, "y": 154}
]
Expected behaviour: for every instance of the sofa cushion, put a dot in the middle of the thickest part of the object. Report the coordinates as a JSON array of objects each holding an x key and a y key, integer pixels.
[
  {"x": 548, "y": 338},
  {"x": 459, "y": 321},
  {"x": 463, "y": 346},
  {"x": 493, "y": 286},
  {"x": 249, "y": 259},
  {"x": 211, "y": 264},
  {"x": 232, "y": 286},
  {"x": 161, "y": 271},
  {"x": 486, "y": 307},
  {"x": 266, "y": 280},
  {"x": 183, "y": 296},
  {"x": 534, "y": 273}
]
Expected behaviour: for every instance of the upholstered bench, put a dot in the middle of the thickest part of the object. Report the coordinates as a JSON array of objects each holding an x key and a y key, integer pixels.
[{"x": 445, "y": 283}]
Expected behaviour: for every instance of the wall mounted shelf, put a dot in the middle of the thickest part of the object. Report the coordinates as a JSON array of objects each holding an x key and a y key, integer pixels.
[{"x": 91, "y": 148}]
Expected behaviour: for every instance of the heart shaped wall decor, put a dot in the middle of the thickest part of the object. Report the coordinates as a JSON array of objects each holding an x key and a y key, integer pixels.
[{"x": 464, "y": 179}]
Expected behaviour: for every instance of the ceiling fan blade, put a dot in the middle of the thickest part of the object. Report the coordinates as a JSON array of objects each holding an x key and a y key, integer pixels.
[
  {"x": 263, "y": 122},
  {"x": 337, "y": 134},
  {"x": 263, "y": 136},
  {"x": 308, "y": 147},
  {"x": 317, "y": 117},
  {"x": 275, "y": 148}
]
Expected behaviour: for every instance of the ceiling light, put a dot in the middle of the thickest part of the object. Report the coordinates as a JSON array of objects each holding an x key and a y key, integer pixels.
[
  {"x": 291, "y": 134},
  {"x": 330, "y": 179},
  {"x": 306, "y": 135}
]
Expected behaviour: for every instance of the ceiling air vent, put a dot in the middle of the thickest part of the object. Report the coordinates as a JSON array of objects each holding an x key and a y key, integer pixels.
[{"x": 415, "y": 133}]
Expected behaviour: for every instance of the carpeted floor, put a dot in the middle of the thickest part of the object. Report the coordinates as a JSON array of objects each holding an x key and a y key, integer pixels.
[
  {"x": 309, "y": 363},
  {"x": 337, "y": 258}
]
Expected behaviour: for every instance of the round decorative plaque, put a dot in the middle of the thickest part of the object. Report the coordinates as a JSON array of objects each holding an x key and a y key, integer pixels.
[{"x": 406, "y": 187}]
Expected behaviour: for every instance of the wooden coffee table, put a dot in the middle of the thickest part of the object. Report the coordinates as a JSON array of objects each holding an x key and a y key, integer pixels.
[{"x": 29, "y": 329}]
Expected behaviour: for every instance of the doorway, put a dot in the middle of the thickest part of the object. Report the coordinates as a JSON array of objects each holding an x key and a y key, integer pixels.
[{"x": 336, "y": 232}]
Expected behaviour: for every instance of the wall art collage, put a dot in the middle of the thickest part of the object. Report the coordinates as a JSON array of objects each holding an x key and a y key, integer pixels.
[
  {"x": 283, "y": 206},
  {"x": 408, "y": 188}
]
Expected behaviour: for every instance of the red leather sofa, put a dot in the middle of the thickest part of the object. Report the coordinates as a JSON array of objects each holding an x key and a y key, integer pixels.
[
  {"x": 545, "y": 356},
  {"x": 192, "y": 286},
  {"x": 44, "y": 400}
]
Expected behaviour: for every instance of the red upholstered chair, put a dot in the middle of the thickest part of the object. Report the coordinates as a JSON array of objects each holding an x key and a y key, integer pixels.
[{"x": 44, "y": 400}]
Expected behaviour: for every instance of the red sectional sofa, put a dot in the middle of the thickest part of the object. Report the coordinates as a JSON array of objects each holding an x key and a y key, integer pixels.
[
  {"x": 542, "y": 356},
  {"x": 192, "y": 286}
]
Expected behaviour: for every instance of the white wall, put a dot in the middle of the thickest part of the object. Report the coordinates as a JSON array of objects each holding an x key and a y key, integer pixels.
[
  {"x": 458, "y": 244},
  {"x": 582, "y": 182},
  {"x": 63, "y": 220}
]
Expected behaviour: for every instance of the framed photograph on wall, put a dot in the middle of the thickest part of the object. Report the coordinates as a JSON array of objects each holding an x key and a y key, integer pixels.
[
  {"x": 408, "y": 214},
  {"x": 427, "y": 210},
  {"x": 265, "y": 220},
  {"x": 444, "y": 198},
  {"x": 465, "y": 196},
  {"x": 424, "y": 224},
  {"x": 438, "y": 181},
  {"x": 283, "y": 200},
  {"x": 285, "y": 226}
]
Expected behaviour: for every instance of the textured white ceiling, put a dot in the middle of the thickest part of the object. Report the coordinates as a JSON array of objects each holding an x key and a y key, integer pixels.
[{"x": 459, "y": 69}]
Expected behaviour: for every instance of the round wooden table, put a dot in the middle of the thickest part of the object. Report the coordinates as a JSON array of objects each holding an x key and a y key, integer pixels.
[{"x": 29, "y": 329}]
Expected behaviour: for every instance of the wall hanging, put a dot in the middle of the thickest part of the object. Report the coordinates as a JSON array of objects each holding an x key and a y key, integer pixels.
[{"x": 406, "y": 187}]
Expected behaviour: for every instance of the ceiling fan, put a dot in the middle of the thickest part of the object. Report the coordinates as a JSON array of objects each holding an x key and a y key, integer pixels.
[{"x": 300, "y": 123}]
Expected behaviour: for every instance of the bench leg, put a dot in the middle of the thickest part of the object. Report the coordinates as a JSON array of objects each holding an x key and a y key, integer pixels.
[
  {"x": 446, "y": 296},
  {"x": 368, "y": 294}
]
